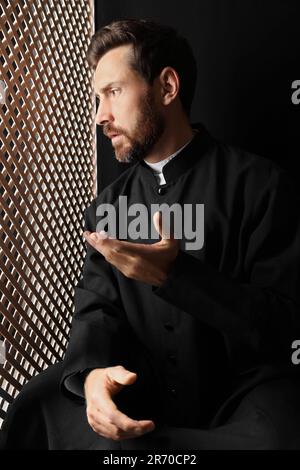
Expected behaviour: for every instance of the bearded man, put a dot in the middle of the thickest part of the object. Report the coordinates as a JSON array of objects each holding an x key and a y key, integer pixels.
[{"x": 170, "y": 347}]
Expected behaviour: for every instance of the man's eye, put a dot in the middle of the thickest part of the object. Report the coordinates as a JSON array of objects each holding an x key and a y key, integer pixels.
[{"x": 114, "y": 91}]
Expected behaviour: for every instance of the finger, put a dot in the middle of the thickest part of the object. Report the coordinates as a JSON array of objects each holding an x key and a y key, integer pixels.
[
  {"x": 102, "y": 235},
  {"x": 109, "y": 246},
  {"x": 114, "y": 421},
  {"x": 122, "y": 261},
  {"x": 112, "y": 415},
  {"x": 108, "y": 430},
  {"x": 128, "y": 424},
  {"x": 162, "y": 226},
  {"x": 103, "y": 243},
  {"x": 95, "y": 237},
  {"x": 100, "y": 242},
  {"x": 109, "y": 412},
  {"x": 121, "y": 375},
  {"x": 102, "y": 424}
]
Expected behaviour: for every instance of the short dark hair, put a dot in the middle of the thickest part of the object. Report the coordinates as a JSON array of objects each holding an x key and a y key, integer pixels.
[{"x": 155, "y": 46}]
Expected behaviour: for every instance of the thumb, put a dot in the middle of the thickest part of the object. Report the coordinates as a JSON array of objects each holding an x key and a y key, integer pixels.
[
  {"x": 121, "y": 375},
  {"x": 161, "y": 227}
]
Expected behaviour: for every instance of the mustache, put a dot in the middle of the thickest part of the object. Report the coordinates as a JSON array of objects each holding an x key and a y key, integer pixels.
[{"x": 110, "y": 130}]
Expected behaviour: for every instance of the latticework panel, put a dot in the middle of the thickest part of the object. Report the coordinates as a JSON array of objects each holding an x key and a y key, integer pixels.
[{"x": 47, "y": 145}]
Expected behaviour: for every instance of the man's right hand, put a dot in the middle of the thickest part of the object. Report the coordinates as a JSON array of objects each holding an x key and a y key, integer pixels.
[{"x": 103, "y": 416}]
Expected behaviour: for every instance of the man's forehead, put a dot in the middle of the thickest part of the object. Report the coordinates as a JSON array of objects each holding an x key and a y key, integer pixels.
[
  {"x": 114, "y": 59},
  {"x": 112, "y": 68}
]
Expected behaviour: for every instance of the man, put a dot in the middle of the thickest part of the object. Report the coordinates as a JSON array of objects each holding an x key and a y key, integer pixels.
[{"x": 174, "y": 347}]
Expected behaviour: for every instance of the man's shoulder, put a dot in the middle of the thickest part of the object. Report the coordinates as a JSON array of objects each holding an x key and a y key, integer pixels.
[
  {"x": 242, "y": 161},
  {"x": 249, "y": 169},
  {"x": 233, "y": 161}
]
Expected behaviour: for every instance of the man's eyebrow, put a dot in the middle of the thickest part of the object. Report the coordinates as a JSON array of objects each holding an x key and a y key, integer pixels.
[{"x": 109, "y": 85}]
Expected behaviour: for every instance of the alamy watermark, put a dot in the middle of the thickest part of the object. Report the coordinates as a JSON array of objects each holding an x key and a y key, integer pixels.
[
  {"x": 2, "y": 352},
  {"x": 136, "y": 221},
  {"x": 296, "y": 354},
  {"x": 2, "y": 92},
  {"x": 296, "y": 94}
]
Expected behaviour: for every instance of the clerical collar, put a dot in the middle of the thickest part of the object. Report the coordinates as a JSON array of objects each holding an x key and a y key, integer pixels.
[
  {"x": 158, "y": 166},
  {"x": 183, "y": 159}
]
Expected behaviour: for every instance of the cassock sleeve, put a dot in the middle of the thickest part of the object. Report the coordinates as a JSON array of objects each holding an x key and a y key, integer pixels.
[
  {"x": 98, "y": 332},
  {"x": 260, "y": 318}
]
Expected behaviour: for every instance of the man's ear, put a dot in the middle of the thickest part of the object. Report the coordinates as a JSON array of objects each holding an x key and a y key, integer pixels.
[{"x": 169, "y": 85}]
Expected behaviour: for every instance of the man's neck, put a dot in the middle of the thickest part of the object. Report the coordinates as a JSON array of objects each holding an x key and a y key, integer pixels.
[{"x": 173, "y": 138}]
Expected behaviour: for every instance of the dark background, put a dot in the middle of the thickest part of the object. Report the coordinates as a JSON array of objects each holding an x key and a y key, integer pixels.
[{"x": 248, "y": 56}]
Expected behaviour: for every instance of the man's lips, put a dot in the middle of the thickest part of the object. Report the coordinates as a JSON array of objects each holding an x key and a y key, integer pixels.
[
  {"x": 113, "y": 134},
  {"x": 115, "y": 138}
]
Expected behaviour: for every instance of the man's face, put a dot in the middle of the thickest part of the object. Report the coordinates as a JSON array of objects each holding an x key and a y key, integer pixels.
[{"x": 127, "y": 109}]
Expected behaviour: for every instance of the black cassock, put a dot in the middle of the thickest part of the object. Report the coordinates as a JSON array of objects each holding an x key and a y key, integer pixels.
[{"x": 212, "y": 346}]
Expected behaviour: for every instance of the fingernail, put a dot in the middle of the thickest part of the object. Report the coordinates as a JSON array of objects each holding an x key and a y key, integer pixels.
[
  {"x": 102, "y": 234},
  {"x": 94, "y": 236}
]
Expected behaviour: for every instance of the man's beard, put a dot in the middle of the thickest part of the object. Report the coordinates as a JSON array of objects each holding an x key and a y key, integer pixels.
[{"x": 148, "y": 129}]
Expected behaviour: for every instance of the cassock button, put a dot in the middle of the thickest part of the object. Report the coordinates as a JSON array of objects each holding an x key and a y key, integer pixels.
[
  {"x": 169, "y": 326},
  {"x": 173, "y": 392},
  {"x": 161, "y": 191}
]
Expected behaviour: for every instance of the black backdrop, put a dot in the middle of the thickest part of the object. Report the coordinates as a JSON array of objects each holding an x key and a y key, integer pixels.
[{"x": 248, "y": 58}]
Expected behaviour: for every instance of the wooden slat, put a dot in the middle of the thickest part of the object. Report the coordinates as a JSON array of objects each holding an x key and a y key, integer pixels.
[{"x": 47, "y": 179}]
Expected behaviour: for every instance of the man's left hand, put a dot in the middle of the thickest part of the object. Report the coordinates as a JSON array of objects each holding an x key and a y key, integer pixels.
[{"x": 147, "y": 263}]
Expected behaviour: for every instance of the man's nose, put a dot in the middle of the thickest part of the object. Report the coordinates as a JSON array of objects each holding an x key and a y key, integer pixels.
[{"x": 103, "y": 114}]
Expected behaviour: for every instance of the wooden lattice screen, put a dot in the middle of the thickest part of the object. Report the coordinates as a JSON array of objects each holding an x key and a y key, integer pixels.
[{"x": 47, "y": 178}]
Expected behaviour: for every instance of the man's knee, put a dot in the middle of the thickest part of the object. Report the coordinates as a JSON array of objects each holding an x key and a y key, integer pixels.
[
  {"x": 272, "y": 411},
  {"x": 41, "y": 386},
  {"x": 25, "y": 414}
]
